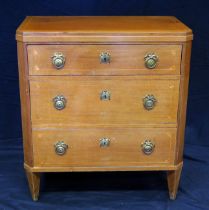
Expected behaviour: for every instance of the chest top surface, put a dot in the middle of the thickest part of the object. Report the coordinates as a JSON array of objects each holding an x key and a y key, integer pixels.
[{"x": 70, "y": 28}]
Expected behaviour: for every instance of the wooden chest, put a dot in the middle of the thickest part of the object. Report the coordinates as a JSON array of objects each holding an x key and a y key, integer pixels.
[{"x": 103, "y": 94}]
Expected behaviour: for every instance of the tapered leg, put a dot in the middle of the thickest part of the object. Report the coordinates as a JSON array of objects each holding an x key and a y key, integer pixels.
[
  {"x": 173, "y": 178},
  {"x": 34, "y": 184}
]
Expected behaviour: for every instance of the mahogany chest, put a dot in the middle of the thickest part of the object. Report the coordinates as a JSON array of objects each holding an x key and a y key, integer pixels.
[{"x": 103, "y": 94}]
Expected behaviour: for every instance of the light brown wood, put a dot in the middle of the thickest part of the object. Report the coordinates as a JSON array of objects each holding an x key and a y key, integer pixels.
[
  {"x": 85, "y": 59},
  {"x": 173, "y": 178},
  {"x": 185, "y": 69},
  {"x": 84, "y": 147},
  {"x": 86, "y": 119},
  {"x": 84, "y": 105},
  {"x": 156, "y": 167},
  {"x": 103, "y": 29},
  {"x": 25, "y": 103},
  {"x": 34, "y": 183}
]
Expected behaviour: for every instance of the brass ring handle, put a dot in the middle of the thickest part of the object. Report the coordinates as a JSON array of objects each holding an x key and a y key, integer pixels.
[
  {"x": 104, "y": 142},
  {"x": 59, "y": 102},
  {"x": 104, "y": 57},
  {"x": 148, "y": 147},
  {"x": 149, "y": 102},
  {"x": 58, "y": 60},
  {"x": 60, "y": 148},
  {"x": 151, "y": 60}
]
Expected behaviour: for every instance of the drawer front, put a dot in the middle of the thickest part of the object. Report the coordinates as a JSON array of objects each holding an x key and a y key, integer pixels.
[
  {"x": 84, "y": 105},
  {"x": 89, "y": 60},
  {"x": 126, "y": 147}
]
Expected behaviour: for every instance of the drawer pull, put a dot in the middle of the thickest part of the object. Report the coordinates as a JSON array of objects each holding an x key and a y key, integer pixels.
[
  {"x": 59, "y": 102},
  {"x": 148, "y": 147},
  {"x": 58, "y": 60},
  {"x": 104, "y": 142},
  {"x": 60, "y": 148},
  {"x": 149, "y": 102},
  {"x": 105, "y": 95},
  {"x": 151, "y": 60},
  {"x": 104, "y": 57}
]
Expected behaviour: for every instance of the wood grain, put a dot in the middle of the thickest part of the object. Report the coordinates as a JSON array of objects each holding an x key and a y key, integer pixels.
[
  {"x": 84, "y": 147},
  {"x": 84, "y": 106},
  {"x": 185, "y": 69},
  {"x": 103, "y": 29},
  {"x": 155, "y": 167},
  {"x": 25, "y": 103},
  {"x": 173, "y": 178},
  {"x": 85, "y": 59},
  {"x": 86, "y": 119},
  {"x": 34, "y": 183}
]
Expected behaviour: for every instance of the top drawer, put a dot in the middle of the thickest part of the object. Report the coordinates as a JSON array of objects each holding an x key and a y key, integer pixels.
[{"x": 103, "y": 59}]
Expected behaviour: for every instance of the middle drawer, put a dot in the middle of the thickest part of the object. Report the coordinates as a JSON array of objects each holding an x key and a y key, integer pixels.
[{"x": 103, "y": 101}]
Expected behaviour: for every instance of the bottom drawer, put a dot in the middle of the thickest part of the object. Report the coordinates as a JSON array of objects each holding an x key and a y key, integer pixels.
[{"x": 104, "y": 147}]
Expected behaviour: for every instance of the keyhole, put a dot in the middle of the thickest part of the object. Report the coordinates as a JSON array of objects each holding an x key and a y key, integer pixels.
[
  {"x": 105, "y": 95},
  {"x": 104, "y": 58}
]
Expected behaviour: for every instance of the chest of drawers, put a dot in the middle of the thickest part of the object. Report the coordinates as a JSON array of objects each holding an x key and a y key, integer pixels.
[{"x": 103, "y": 94}]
